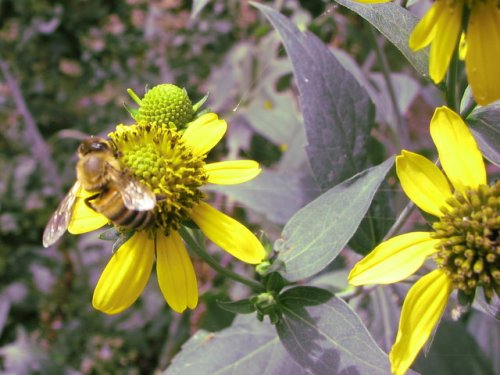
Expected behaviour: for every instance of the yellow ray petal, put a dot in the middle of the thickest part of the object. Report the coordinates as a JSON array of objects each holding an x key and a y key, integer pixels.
[
  {"x": 421, "y": 311},
  {"x": 483, "y": 51},
  {"x": 125, "y": 275},
  {"x": 175, "y": 273},
  {"x": 229, "y": 234},
  {"x": 458, "y": 152},
  {"x": 423, "y": 182},
  {"x": 84, "y": 219},
  {"x": 425, "y": 31},
  {"x": 204, "y": 133},
  {"x": 447, "y": 30},
  {"x": 372, "y": 1},
  {"x": 232, "y": 172},
  {"x": 394, "y": 259}
]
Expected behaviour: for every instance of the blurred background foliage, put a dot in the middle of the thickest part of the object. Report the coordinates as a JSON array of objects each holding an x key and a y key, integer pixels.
[{"x": 65, "y": 67}]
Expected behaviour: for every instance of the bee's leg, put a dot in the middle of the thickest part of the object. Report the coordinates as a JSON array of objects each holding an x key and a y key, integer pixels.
[{"x": 88, "y": 199}]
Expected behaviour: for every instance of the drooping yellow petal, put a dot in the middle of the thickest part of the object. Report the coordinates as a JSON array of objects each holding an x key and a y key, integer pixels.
[
  {"x": 175, "y": 273},
  {"x": 422, "y": 182},
  {"x": 84, "y": 219},
  {"x": 228, "y": 233},
  {"x": 232, "y": 172},
  {"x": 483, "y": 51},
  {"x": 448, "y": 28},
  {"x": 204, "y": 133},
  {"x": 458, "y": 152},
  {"x": 394, "y": 259},
  {"x": 125, "y": 275},
  {"x": 422, "y": 309},
  {"x": 425, "y": 31}
]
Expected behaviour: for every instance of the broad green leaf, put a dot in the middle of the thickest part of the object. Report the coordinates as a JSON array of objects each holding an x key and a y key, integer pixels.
[
  {"x": 453, "y": 352},
  {"x": 277, "y": 195},
  {"x": 485, "y": 125},
  {"x": 316, "y": 234},
  {"x": 243, "y": 306},
  {"x": 338, "y": 112},
  {"x": 247, "y": 347},
  {"x": 325, "y": 336},
  {"x": 396, "y": 24}
]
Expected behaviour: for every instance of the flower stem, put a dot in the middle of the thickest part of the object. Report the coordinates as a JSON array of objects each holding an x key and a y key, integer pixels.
[
  {"x": 451, "y": 83},
  {"x": 201, "y": 252},
  {"x": 388, "y": 81},
  {"x": 405, "y": 214}
]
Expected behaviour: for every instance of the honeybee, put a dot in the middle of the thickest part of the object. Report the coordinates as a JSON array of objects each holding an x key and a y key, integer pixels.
[{"x": 125, "y": 201}]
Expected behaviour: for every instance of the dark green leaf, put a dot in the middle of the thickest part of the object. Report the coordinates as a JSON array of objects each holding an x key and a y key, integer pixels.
[
  {"x": 316, "y": 234},
  {"x": 485, "y": 125},
  {"x": 453, "y": 352},
  {"x": 305, "y": 296},
  {"x": 247, "y": 347},
  {"x": 374, "y": 225},
  {"x": 326, "y": 337},
  {"x": 396, "y": 24},
  {"x": 338, "y": 112},
  {"x": 243, "y": 306},
  {"x": 486, "y": 331}
]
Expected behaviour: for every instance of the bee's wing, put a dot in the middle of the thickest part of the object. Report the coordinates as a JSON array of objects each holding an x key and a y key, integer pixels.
[
  {"x": 59, "y": 221},
  {"x": 136, "y": 196}
]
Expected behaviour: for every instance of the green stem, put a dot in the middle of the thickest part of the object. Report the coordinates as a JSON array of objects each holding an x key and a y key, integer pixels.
[
  {"x": 401, "y": 220},
  {"x": 451, "y": 83},
  {"x": 200, "y": 251},
  {"x": 388, "y": 81}
]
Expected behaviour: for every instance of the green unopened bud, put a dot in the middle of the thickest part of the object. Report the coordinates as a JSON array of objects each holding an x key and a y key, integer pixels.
[
  {"x": 166, "y": 104},
  {"x": 262, "y": 268}
]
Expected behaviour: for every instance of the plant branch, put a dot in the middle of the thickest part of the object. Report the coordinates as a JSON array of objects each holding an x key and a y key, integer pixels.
[
  {"x": 388, "y": 81},
  {"x": 32, "y": 136}
]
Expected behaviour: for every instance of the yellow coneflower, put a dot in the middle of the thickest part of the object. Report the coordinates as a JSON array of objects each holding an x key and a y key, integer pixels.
[{"x": 464, "y": 243}]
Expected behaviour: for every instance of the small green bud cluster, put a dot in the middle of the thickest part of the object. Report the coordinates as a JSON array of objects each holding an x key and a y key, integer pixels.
[{"x": 166, "y": 104}]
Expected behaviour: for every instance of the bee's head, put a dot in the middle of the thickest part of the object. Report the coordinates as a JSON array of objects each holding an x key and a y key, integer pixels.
[{"x": 94, "y": 144}]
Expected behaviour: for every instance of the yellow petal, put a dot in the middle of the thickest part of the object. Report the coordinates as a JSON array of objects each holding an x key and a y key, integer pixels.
[
  {"x": 483, "y": 51},
  {"x": 229, "y": 234},
  {"x": 125, "y": 275},
  {"x": 447, "y": 30},
  {"x": 423, "y": 182},
  {"x": 394, "y": 259},
  {"x": 204, "y": 133},
  {"x": 458, "y": 152},
  {"x": 175, "y": 273},
  {"x": 372, "y": 1},
  {"x": 232, "y": 172},
  {"x": 421, "y": 311},
  {"x": 84, "y": 219},
  {"x": 425, "y": 31}
]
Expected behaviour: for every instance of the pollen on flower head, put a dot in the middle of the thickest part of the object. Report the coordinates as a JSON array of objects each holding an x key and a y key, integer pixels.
[
  {"x": 469, "y": 250},
  {"x": 166, "y": 104},
  {"x": 159, "y": 158}
]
